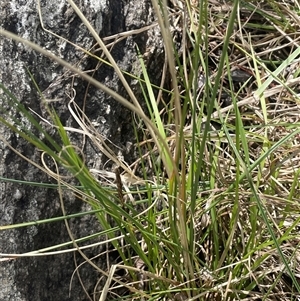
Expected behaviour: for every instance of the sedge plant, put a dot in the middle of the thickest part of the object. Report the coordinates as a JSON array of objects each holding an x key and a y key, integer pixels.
[{"x": 202, "y": 224}]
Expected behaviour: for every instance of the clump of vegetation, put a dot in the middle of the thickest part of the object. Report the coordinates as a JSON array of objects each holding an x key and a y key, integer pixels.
[{"x": 215, "y": 216}]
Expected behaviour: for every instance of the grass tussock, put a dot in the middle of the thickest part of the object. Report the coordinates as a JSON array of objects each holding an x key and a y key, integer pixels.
[{"x": 210, "y": 208}]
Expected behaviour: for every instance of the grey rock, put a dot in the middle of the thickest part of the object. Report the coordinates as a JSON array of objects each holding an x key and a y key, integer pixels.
[{"x": 50, "y": 278}]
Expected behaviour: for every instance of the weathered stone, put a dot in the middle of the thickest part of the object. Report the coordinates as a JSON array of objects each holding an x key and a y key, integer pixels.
[{"x": 48, "y": 278}]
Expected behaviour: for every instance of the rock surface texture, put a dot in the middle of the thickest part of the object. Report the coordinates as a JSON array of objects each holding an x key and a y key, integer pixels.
[{"x": 50, "y": 278}]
